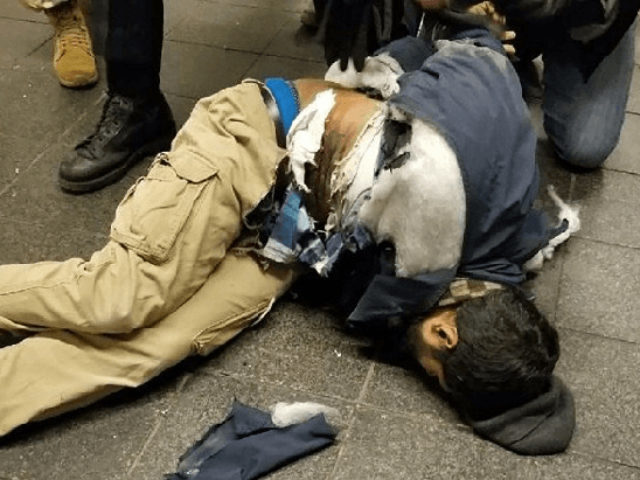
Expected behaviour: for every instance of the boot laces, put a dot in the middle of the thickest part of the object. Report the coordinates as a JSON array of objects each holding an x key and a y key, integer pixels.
[
  {"x": 71, "y": 29},
  {"x": 114, "y": 113}
]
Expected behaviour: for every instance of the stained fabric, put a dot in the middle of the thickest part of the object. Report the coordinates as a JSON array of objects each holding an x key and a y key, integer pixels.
[
  {"x": 288, "y": 224},
  {"x": 247, "y": 445}
]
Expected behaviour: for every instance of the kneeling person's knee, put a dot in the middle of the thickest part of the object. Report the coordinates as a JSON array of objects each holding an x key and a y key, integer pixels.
[
  {"x": 588, "y": 154},
  {"x": 582, "y": 145}
]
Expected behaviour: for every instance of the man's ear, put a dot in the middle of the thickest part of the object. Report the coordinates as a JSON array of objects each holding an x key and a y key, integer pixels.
[
  {"x": 447, "y": 336},
  {"x": 445, "y": 331}
]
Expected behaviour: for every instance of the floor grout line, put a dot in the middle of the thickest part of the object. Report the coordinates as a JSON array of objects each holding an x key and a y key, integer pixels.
[
  {"x": 620, "y": 170},
  {"x": 251, "y": 52},
  {"x": 586, "y": 238},
  {"x": 39, "y": 46},
  {"x": 597, "y": 335},
  {"x": 591, "y": 456},
  {"x": 352, "y": 419},
  {"x": 25, "y": 20},
  {"x": 259, "y": 381}
]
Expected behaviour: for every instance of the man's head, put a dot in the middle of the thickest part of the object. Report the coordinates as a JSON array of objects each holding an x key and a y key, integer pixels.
[{"x": 490, "y": 353}]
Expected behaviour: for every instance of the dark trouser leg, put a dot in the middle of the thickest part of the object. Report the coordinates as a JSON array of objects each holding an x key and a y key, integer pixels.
[
  {"x": 134, "y": 46},
  {"x": 136, "y": 120},
  {"x": 583, "y": 119}
]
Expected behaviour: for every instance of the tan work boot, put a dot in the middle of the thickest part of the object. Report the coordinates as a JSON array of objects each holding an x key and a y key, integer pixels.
[{"x": 73, "y": 58}]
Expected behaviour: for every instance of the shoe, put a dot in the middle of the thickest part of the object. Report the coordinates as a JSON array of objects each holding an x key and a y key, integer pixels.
[
  {"x": 129, "y": 130},
  {"x": 73, "y": 58}
]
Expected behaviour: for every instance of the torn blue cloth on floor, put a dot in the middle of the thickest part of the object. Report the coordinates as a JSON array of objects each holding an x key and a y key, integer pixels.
[{"x": 247, "y": 445}]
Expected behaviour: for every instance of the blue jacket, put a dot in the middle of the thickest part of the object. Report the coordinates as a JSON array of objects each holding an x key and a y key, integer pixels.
[{"x": 471, "y": 93}]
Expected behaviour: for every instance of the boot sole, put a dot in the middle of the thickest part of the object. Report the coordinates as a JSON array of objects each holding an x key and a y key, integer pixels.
[
  {"x": 87, "y": 83},
  {"x": 116, "y": 174}
]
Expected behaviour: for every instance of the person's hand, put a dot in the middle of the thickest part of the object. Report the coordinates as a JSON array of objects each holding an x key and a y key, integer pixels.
[{"x": 506, "y": 36}]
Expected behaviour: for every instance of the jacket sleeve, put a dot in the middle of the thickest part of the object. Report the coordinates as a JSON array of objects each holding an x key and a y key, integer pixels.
[{"x": 584, "y": 19}]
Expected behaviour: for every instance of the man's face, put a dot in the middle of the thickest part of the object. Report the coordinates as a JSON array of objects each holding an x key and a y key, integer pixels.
[{"x": 435, "y": 333}]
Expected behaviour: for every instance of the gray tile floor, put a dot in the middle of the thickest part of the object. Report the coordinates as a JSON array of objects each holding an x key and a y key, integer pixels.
[{"x": 393, "y": 425}]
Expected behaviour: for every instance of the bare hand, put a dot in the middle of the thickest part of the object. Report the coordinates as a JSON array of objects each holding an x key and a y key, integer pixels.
[{"x": 488, "y": 9}]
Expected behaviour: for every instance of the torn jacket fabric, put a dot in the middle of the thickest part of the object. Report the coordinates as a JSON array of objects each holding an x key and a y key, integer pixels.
[
  {"x": 288, "y": 232},
  {"x": 247, "y": 445}
]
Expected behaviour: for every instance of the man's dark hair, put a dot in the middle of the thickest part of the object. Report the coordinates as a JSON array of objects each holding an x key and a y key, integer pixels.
[{"x": 505, "y": 354}]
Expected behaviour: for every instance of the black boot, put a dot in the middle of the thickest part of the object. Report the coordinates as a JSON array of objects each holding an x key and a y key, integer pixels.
[{"x": 129, "y": 130}]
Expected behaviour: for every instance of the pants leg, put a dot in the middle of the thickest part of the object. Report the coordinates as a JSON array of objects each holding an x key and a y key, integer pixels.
[
  {"x": 170, "y": 232},
  {"x": 134, "y": 46},
  {"x": 583, "y": 119},
  {"x": 56, "y": 371}
]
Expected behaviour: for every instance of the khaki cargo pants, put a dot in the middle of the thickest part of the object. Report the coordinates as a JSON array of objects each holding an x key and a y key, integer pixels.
[{"x": 166, "y": 285}]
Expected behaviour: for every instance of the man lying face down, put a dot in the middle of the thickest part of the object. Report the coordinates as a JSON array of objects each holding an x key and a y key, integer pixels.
[{"x": 419, "y": 207}]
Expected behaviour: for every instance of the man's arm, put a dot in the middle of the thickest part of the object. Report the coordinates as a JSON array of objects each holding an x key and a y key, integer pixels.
[{"x": 585, "y": 19}]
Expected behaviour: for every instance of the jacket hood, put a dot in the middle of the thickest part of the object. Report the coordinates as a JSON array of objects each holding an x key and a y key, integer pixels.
[{"x": 543, "y": 426}]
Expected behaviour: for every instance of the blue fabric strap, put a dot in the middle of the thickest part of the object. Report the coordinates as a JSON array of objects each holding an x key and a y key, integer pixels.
[{"x": 286, "y": 99}]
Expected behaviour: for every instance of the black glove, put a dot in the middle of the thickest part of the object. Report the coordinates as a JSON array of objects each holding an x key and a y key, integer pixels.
[{"x": 356, "y": 28}]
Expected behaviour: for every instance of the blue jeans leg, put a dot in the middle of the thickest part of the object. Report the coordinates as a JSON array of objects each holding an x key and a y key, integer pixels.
[{"x": 583, "y": 119}]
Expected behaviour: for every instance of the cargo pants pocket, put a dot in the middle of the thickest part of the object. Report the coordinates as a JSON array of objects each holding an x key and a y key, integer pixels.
[
  {"x": 219, "y": 334},
  {"x": 156, "y": 208}
]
